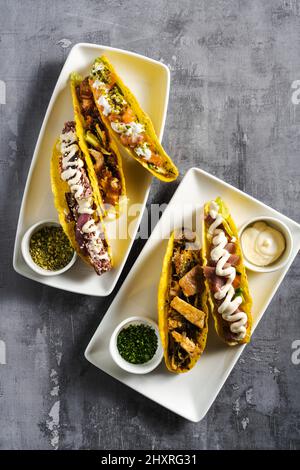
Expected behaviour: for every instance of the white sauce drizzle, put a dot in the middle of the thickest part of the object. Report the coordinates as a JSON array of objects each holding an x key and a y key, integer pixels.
[
  {"x": 93, "y": 248},
  {"x": 89, "y": 226},
  {"x": 103, "y": 101},
  {"x": 220, "y": 255},
  {"x": 85, "y": 206},
  {"x": 72, "y": 174}
]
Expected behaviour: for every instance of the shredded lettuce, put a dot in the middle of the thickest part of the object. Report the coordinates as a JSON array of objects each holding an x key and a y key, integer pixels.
[{"x": 223, "y": 208}]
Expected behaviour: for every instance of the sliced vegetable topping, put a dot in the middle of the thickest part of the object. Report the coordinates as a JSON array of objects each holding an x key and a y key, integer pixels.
[{"x": 125, "y": 122}]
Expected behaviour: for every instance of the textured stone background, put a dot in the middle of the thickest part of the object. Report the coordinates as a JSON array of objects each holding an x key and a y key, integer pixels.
[{"x": 232, "y": 66}]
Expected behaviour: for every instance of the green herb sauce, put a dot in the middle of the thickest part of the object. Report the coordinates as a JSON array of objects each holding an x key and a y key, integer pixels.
[
  {"x": 50, "y": 248},
  {"x": 137, "y": 344}
]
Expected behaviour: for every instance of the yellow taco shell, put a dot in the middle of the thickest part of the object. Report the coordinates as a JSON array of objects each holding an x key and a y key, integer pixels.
[
  {"x": 143, "y": 119},
  {"x": 163, "y": 311},
  {"x": 59, "y": 189},
  {"x": 246, "y": 306},
  {"x": 75, "y": 80}
]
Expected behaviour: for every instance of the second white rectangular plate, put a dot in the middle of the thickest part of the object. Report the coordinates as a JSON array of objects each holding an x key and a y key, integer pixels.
[
  {"x": 191, "y": 394},
  {"x": 150, "y": 81}
]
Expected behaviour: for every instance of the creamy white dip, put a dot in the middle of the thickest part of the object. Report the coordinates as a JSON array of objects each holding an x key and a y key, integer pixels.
[{"x": 262, "y": 244}]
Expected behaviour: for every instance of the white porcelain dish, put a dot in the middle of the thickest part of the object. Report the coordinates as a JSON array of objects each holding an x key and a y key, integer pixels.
[
  {"x": 149, "y": 80},
  {"x": 127, "y": 366},
  {"x": 283, "y": 259},
  {"x": 25, "y": 244},
  {"x": 191, "y": 394}
]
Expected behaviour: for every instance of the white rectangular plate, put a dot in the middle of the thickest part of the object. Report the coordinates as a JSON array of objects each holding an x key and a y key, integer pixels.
[
  {"x": 191, "y": 394},
  {"x": 150, "y": 81}
]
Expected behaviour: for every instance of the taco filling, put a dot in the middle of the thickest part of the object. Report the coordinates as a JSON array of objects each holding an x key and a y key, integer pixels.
[
  {"x": 104, "y": 159},
  {"x": 223, "y": 273},
  {"x": 184, "y": 316},
  {"x": 124, "y": 121},
  {"x": 89, "y": 234}
]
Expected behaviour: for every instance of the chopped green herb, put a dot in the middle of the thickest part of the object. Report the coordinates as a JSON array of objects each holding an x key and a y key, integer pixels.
[
  {"x": 137, "y": 344},
  {"x": 50, "y": 248},
  {"x": 239, "y": 292},
  {"x": 151, "y": 165}
]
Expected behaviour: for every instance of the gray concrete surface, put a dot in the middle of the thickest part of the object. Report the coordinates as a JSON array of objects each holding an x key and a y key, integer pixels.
[{"x": 232, "y": 66}]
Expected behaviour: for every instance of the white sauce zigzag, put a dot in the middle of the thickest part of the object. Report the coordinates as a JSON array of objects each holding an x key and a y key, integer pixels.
[{"x": 228, "y": 308}]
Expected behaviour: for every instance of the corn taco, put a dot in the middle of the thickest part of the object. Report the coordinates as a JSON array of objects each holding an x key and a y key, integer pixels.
[
  {"x": 97, "y": 145},
  {"x": 182, "y": 303},
  {"x": 130, "y": 126},
  {"x": 75, "y": 201},
  {"x": 225, "y": 275}
]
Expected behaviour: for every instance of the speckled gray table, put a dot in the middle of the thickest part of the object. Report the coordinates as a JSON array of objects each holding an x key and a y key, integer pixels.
[{"x": 234, "y": 112}]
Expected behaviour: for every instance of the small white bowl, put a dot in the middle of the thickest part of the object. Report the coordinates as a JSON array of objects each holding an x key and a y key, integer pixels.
[
  {"x": 136, "y": 368},
  {"x": 283, "y": 259},
  {"x": 25, "y": 244}
]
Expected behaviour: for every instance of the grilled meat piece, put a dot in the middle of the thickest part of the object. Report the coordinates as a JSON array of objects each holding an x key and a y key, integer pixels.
[
  {"x": 216, "y": 282},
  {"x": 190, "y": 282},
  {"x": 230, "y": 247},
  {"x": 186, "y": 343},
  {"x": 233, "y": 260},
  {"x": 188, "y": 311}
]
